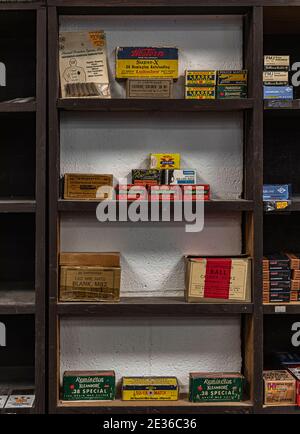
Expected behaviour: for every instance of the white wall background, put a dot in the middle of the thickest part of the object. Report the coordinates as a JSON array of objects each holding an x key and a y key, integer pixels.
[{"x": 152, "y": 252}]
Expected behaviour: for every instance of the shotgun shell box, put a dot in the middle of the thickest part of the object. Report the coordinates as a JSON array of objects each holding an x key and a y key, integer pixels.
[
  {"x": 231, "y": 91},
  {"x": 274, "y": 285},
  {"x": 216, "y": 387},
  {"x": 150, "y": 389},
  {"x": 149, "y": 88},
  {"x": 131, "y": 192},
  {"x": 232, "y": 77},
  {"x": 164, "y": 161},
  {"x": 89, "y": 386},
  {"x": 276, "y": 78},
  {"x": 218, "y": 278},
  {"x": 198, "y": 92},
  {"x": 278, "y": 92},
  {"x": 85, "y": 186},
  {"x": 295, "y": 274},
  {"x": 278, "y": 63},
  {"x": 277, "y": 191},
  {"x": 147, "y": 62},
  {"x": 146, "y": 177},
  {"x": 296, "y": 374},
  {"x": 275, "y": 262},
  {"x": 21, "y": 398},
  {"x": 280, "y": 388},
  {"x": 194, "y": 78},
  {"x": 295, "y": 260},
  {"x": 179, "y": 177}
]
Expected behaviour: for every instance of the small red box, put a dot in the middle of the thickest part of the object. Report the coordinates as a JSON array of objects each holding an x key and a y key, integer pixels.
[{"x": 131, "y": 192}]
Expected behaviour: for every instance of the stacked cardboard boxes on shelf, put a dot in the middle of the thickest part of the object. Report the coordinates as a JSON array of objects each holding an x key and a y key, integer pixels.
[{"x": 276, "y": 77}]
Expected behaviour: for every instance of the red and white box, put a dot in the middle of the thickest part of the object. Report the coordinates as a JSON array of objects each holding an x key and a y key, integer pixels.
[{"x": 296, "y": 373}]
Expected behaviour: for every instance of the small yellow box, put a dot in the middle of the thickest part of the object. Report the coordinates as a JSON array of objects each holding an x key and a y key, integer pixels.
[
  {"x": 198, "y": 92},
  {"x": 150, "y": 389},
  {"x": 165, "y": 161}
]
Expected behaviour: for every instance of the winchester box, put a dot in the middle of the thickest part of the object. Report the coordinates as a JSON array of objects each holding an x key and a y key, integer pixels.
[
  {"x": 232, "y": 77},
  {"x": 278, "y": 63},
  {"x": 276, "y": 78},
  {"x": 149, "y": 88},
  {"x": 85, "y": 186},
  {"x": 165, "y": 161},
  {"x": 198, "y": 92},
  {"x": 231, "y": 91},
  {"x": 147, "y": 62},
  {"x": 216, "y": 387},
  {"x": 279, "y": 388},
  {"x": 89, "y": 386},
  {"x": 146, "y": 177},
  {"x": 194, "y": 78},
  {"x": 150, "y": 389},
  {"x": 218, "y": 279}
]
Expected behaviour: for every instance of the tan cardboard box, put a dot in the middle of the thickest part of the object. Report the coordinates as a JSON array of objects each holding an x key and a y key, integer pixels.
[
  {"x": 280, "y": 388},
  {"x": 84, "y": 186}
]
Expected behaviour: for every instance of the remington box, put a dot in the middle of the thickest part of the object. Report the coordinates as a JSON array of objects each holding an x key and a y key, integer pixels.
[
  {"x": 216, "y": 387},
  {"x": 232, "y": 77},
  {"x": 278, "y": 63},
  {"x": 150, "y": 389},
  {"x": 295, "y": 260},
  {"x": 276, "y": 78},
  {"x": 85, "y": 186},
  {"x": 146, "y": 177},
  {"x": 131, "y": 192},
  {"x": 179, "y": 177},
  {"x": 149, "y": 88},
  {"x": 274, "y": 285},
  {"x": 277, "y": 261},
  {"x": 280, "y": 388},
  {"x": 278, "y": 92},
  {"x": 198, "y": 92},
  {"x": 196, "y": 192},
  {"x": 147, "y": 62},
  {"x": 164, "y": 161},
  {"x": 296, "y": 374},
  {"x": 89, "y": 386},
  {"x": 206, "y": 78},
  {"x": 277, "y": 191},
  {"x": 21, "y": 398},
  {"x": 90, "y": 277},
  {"x": 280, "y": 276},
  {"x": 218, "y": 279},
  {"x": 231, "y": 91}
]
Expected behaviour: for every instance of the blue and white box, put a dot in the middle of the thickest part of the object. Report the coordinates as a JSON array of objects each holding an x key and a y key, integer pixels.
[
  {"x": 277, "y": 192},
  {"x": 278, "y": 92}
]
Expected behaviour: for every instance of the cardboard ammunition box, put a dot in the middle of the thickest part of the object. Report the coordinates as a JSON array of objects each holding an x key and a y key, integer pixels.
[
  {"x": 131, "y": 192},
  {"x": 274, "y": 285},
  {"x": 278, "y": 92},
  {"x": 277, "y": 191},
  {"x": 194, "y": 78},
  {"x": 216, "y": 387},
  {"x": 179, "y": 177},
  {"x": 217, "y": 279},
  {"x": 89, "y": 386},
  {"x": 231, "y": 91},
  {"x": 21, "y": 398},
  {"x": 165, "y": 192},
  {"x": 281, "y": 276},
  {"x": 278, "y": 63},
  {"x": 196, "y": 192},
  {"x": 295, "y": 260},
  {"x": 295, "y": 274},
  {"x": 295, "y": 296},
  {"x": 107, "y": 259},
  {"x": 232, "y": 77},
  {"x": 150, "y": 389},
  {"x": 276, "y": 297},
  {"x": 295, "y": 285},
  {"x": 149, "y": 88},
  {"x": 276, "y": 78},
  {"x": 147, "y": 62},
  {"x": 296, "y": 374},
  {"x": 280, "y": 388},
  {"x": 164, "y": 161},
  {"x": 198, "y": 92},
  {"x": 146, "y": 177},
  {"x": 85, "y": 186},
  {"x": 275, "y": 262}
]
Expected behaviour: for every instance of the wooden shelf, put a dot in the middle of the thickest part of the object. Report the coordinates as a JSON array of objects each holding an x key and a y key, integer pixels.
[
  {"x": 280, "y": 409},
  {"x": 160, "y": 105},
  {"x": 17, "y": 298},
  {"x": 154, "y": 306},
  {"x": 19, "y": 107},
  {"x": 281, "y": 308},
  {"x": 17, "y": 205}
]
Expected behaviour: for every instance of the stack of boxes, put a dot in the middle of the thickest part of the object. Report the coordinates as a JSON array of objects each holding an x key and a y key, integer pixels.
[
  {"x": 295, "y": 276},
  {"x": 232, "y": 84},
  {"x": 276, "y": 78}
]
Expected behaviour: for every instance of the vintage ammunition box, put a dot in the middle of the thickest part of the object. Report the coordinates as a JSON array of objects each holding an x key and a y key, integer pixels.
[
  {"x": 164, "y": 161},
  {"x": 294, "y": 260},
  {"x": 232, "y": 77},
  {"x": 131, "y": 192},
  {"x": 198, "y": 92},
  {"x": 217, "y": 278},
  {"x": 295, "y": 274},
  {"x": 179, "y": 177},
  {"x": 194, "y": 78},
  {"x": 107, "y": 259},
  {"x": 150, "y": 389},
  {"x": 165, "y": 192},
  {"x": 295, "y": 296},
  {"x": 21, "y": 398},
  {"x": 146, "y": 62},
  {"x": 89, "y": 386},
  {"x": 278, "y": 92},
  {"x": 231, "y": 91},
  {"x": 277, "y": 261},
  {"x": 85, "y": 186},
  {"x": 277, "y": 191},
  {"x": 276, "y": 63},
  {"x": 280, "y": 388},
  {"x": 282, "y": 275},
  {"x": 149, "y": 88},
  {"x": 146, "y": 177},
  {"x": 276, "y": 78},
  {"x": 274, "y": 285},
  {"x": 196, "y": 192},
  {"x": 216, "y": 387},
  {"x": 296, "y": 374},
  {"x": 295, "y": 285},
  {"x": 276, "y": 297}
]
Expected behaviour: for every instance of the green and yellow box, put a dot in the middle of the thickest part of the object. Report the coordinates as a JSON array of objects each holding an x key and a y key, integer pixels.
[
  {"x": 231, "y": 91},
  {"x": 207, "y": 78},
  {"x": 150, "y": 389},
  {"x": 216, "y": 387},
  {"x": 233, "y": 77},
  {"x": 89, "y": 386},
  {"x": 198, "y": 92}
]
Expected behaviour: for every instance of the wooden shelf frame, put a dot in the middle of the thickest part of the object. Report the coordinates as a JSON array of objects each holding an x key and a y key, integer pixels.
[{"x": 252, "y": 108}]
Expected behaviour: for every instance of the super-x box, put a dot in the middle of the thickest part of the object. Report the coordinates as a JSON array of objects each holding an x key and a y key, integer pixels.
[{"x": 147, "y": 62}]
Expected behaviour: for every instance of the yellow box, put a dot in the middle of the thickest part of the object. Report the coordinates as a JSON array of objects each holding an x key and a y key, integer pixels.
[
  {"x": 195, "y": 78},
  {"x": 165, "y": 161},
  {"x": 150, "y": 389},
  {"x": 197, "y": 92}
]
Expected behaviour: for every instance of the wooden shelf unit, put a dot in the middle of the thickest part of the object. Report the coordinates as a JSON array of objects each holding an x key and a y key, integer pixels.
[{"x": 23, "y": 201}]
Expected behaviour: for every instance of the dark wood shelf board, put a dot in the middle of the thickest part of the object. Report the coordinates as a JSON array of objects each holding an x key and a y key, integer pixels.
[
  {"x": 14, "y": 300},
  {"x": 281, "y": 409},
  {"x": 17, "y": 205},
  {"x": 154, "y": 306},
  {"x": 281, "y": 308},
  {"x": 13, "y": 107},
  {"x": 160, "y": 105}
]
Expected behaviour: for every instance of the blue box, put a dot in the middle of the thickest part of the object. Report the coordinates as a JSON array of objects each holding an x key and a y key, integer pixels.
[
  {"x": 278, "y": 92},
  {"x": 277, "y": 192}
]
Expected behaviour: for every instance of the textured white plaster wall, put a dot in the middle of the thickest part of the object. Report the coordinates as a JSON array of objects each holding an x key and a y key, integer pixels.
[{"x": 152, "y": 252}]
